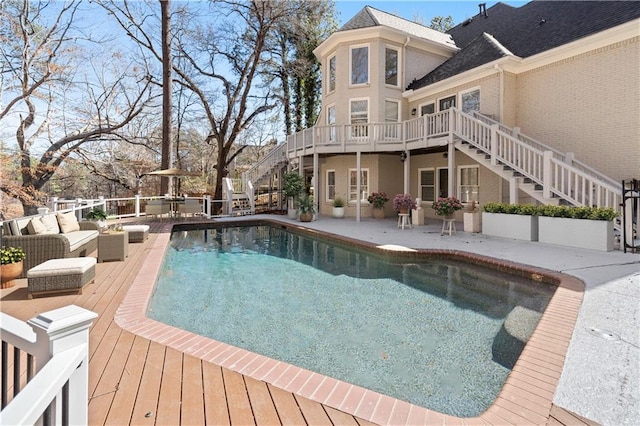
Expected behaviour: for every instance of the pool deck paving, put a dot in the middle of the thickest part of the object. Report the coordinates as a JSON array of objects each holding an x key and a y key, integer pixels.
[
  {"x": 598, "y": 379},
  {"x": 601, "y": 375}
]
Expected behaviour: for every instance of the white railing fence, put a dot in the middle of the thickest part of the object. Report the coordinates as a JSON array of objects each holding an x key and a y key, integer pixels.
[{"x": 55, "y": 343}]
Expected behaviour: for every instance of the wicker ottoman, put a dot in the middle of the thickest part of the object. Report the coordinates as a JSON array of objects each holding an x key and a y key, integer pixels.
[
  {"x": 137, "y": 233},
  {"x": 61, "y": 275}
]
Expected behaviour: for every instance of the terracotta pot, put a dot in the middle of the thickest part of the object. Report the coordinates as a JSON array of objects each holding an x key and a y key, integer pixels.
[
  {"x": 306, "y": 217},
  {"x": 378, "y": 212},
  {"x": 9, "y": 272},
  {"x": 403, "y": 211}
]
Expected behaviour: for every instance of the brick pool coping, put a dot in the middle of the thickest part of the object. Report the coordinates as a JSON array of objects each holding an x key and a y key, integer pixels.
[{"x": 526, "y": 396}]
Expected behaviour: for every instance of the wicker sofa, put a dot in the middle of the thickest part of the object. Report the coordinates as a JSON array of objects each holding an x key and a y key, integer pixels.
[{"x": 41, "y": 247}]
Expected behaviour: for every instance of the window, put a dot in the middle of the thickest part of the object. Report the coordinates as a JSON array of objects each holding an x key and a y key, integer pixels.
[
  {"x": 443, "y": 182},
  {"x": 391, "y": 67},
  {"x": 469, "y": 188},
  {"x": 446, "y": 103},
  {"x": 353, "y": 184},
  {"x": 332, "y": 74},
  {"x": 331, "y": 121},
  {"x": 360, "y": 65},
  {"x": 470, "y": 101},
  {"x": 331, "y": 185},
  {"x": 427, "y": 109},
  {"x": 427, "y": 184},
  {"x": 359, "y": 118},
  {"x": 391, "y": 113}
]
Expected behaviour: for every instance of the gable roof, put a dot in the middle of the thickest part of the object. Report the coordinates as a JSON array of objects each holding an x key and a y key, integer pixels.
[
  {"x": 372, "y": 17},
  {"x": 525, "y": 31}
]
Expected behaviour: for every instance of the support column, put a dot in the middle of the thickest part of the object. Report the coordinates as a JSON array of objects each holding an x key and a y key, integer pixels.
[
  {"x": 407, "y": 170},
  {"x": 358, "y": 185},
  {"x": 316, "y": 190},
  {"x": 513, "y": 190},
  {"x": 451, "y": 165}
]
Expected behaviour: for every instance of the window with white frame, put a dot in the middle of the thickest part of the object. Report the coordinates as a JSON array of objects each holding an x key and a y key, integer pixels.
[
  {"x": 359, "y": 65},
  {"x": 353, "y": 184},
  {"x": 469, "y": 184},
  {"x": 391, "y": 115},
  {"x": 443, "y": 182},
  {"x": 359, "y": 117},
  {"x": 446, "y": 103},
  {"x": 332, "y": 74},
  {"x": 391, "y": 67},
  {"x": 427, "y": 182},
  {"x": 331, "y": 185},
  {"x": 331, "y": 121},
  {"x": 427, "y": 109},
  {"x": 470, "y": 100}
]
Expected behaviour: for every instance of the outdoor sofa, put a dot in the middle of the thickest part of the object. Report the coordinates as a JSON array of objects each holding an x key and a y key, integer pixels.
[{"x": 50, "y": 236}]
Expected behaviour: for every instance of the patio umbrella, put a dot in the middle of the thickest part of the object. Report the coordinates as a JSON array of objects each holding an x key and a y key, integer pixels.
[{"x": 174, "y": 172}]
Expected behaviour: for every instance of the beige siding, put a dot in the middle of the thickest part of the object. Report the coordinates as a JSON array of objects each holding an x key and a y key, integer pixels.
[
  {"x": 510, "y": 99},
  {"x": 588, "y": 104},
  {"x": 418, "y": 64}
]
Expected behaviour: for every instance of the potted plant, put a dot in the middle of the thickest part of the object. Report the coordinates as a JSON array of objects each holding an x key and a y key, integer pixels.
[
  {"x": 402, "y": 203},
  {"x": 338, "y": 207},
  {"x": 306, "y": 208},
  {"x": 471, "y": 218},
  {"x": 377, "y": 200},
  {"x": 447, "y": 206},
  {"x": 11, "y": 265},
  {"x": 292, "y": 185},
  {"x": 98, "y": 215}
]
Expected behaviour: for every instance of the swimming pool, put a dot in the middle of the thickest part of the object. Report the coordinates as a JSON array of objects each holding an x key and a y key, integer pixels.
[{"x": 438, "y": 343}]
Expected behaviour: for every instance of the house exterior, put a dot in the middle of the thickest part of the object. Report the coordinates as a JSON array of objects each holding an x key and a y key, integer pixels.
[{"x": 539, "y": 103}]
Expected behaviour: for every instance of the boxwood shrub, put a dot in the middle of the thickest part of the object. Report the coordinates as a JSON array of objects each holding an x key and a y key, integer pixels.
[{"x": 571, "y": 212}]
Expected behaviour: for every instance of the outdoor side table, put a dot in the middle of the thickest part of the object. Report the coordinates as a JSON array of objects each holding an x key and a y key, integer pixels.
[
  {"x": 404, "y": 220},
  {"x": 113, "y": 246}
]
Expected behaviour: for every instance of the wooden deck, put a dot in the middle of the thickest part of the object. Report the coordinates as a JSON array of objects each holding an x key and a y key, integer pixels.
[{"x": 133, "y": 380}]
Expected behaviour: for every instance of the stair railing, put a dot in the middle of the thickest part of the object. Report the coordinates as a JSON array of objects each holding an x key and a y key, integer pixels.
[
  {"x": 266, "y": 165},
  {"x": 57, "y": 343}
]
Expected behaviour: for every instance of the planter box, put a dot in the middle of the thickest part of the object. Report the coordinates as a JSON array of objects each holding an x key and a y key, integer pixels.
[
  {"x": 518, "y": 227},
  {"x": 581, "y": 233},
  {"x": 472, "y": 222}
]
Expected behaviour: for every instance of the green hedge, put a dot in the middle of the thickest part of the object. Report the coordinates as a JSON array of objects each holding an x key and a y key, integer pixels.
[{"x": 571, "y": 212}]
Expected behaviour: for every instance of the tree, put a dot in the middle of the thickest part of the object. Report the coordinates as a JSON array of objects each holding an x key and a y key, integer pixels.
[
  {"x": 52, "y": 102},
  {"x": 167, "y": 95},
  {"x": 441, "y": 23}
]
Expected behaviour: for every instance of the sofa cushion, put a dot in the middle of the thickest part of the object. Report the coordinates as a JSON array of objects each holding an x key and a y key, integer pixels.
[
  {"x": 36, "y": 227},
  {"x": 50, "y": 221},
  {"x": 19, "y": 226},
  {"x": 68, "y": 222},
  {"x": 79, "y": 238}
]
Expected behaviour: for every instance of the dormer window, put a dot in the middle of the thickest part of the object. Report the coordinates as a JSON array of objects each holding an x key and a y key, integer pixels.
[
  {"x": 332, "y": 74},
  {"x": 359, "y": 65},
  {"x": 391, "y": 67}
]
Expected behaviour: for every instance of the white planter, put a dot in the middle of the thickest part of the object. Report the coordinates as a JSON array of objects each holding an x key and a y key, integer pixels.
[
  {"x": 518, "y": 227},
  {"x": 581, "y": 233},
  {"x": 338, "y": 212},
  {"x": 292, "y": 213},
  {"x": 472, "y": 222}
]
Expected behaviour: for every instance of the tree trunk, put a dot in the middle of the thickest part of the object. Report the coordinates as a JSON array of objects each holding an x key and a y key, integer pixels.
[{"x": 167, "y": 104}]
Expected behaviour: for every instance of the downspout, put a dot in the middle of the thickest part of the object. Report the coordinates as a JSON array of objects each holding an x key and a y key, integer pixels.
[
  {"x": 501, "y": 97},
  {"x": 404, "y": 61}
]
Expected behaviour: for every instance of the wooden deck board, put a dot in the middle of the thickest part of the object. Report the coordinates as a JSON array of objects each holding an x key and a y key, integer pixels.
[{"x": 133, "y": 380}]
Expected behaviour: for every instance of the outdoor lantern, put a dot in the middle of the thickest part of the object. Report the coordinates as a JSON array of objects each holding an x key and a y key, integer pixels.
[{"x": 403, "y": 156}]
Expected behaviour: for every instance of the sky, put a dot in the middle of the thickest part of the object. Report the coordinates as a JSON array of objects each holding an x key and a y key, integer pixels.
[{"x": 459, "y": 10}]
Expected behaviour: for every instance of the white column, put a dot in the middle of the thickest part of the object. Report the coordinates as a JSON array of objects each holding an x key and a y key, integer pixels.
[
  {"x": 407, "y": 170},
  {"x": 547, "y": 170},
  {"x": 358, "y": 185},
  {"x": 513, "y": 190},
  {"x": 451, "y": 164},
  {"x": 316, "y": 190},
  {"x": 137, "y": 205},
  {"x": 57, "y": 331}
]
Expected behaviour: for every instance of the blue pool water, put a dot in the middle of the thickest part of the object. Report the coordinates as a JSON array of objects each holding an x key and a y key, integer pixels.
[{"x": 427, "y": 332}]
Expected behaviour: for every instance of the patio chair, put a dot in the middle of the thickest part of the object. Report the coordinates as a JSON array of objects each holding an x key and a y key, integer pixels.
[
  {"x": 192, "y": 206},
  {"x": 157, "y": 208}
]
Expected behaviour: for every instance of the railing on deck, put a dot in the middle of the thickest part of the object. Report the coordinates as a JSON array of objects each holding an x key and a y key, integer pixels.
[{"x": 52, "y": 387}]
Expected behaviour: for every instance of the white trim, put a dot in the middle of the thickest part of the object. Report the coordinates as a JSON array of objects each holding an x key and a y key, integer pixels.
[
  {"x": 351, "y": 49},
  {"x": 326, "y": 181},
  {"x": 453, "y": 95},
  {"x": 438, "y": 169},
  {"x": 459, "y": 180},
  {"x": 398, "y": 66},
  {"x": 332, "y": 56},
  {"x": 427, "y": 169},
  {"x": 419, "y": 113},
  {"x": 351, "y": 100},
  {"x": 365, "y": 194},
  {"x": 473, "y": 89}
]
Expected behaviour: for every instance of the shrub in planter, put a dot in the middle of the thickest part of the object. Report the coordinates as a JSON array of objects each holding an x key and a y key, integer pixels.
[
  {"x": 582, "y": 227},
  {"x": 517, "y": 221},
  {"x": 338, "y": 207}
]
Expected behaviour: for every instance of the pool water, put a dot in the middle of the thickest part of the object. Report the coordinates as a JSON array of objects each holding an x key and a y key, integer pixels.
[{"x": 427, "y": 332}]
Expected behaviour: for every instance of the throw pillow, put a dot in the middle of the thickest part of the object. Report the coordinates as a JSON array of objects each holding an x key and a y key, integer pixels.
[
  {"x": 68, "y": 222},
  {"x": 51, "y": 223},
  {"x": 36, "y": 227}
]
